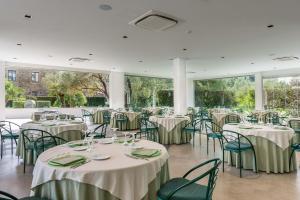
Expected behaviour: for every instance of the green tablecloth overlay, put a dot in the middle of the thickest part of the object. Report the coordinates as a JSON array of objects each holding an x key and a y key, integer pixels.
[
  {"x": 132, "y": 123},
  {"x": 270, "y": 157},
  {"x": 67, "y": 189}
]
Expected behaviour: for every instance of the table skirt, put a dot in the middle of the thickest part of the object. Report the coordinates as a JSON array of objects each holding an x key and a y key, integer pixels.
[
  {"x": 270, "y": 157},
  {"x": 131, "y": 125},
  {"x": 98, "y": 117},
  {"x": 174, "y": 136},
  {"x": 69, "y": 189},
  {"x": 31, "y": 155}
]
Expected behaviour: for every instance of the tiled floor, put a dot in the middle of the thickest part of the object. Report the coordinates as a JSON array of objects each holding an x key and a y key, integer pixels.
[{"x": 182, "y": 158}]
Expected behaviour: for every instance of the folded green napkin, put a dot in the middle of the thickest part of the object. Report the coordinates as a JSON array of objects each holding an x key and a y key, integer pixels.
[
  {"x": 146, "y": 153},
  {"x": 67, "y": 160},
  {"x": 76, "y": 144}
]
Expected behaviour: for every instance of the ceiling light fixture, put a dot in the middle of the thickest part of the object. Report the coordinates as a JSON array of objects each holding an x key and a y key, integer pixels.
[
  {"x": 78, "y": 59},
  {"x": 184, "y": 49},
  {"x": 90, "y": 54},
  {"x": 19, "y": 44},
  {"x": 125, "y": 36},
  {"x": 27, "y": 16},
  {"x": 105, "y": 7},
  {"x": 140, "y": 61},
  {"x": 270, "y": 26},
  {"x": 223, "y": 57}
]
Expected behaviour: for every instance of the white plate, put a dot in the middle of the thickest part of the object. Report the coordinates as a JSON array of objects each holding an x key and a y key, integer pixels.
[
  {"x": 135, "y": 147},
  {"x": 100, "y": 157},
  {"x": 80, "y": 148},
  {"x": 106, "y": 141}
]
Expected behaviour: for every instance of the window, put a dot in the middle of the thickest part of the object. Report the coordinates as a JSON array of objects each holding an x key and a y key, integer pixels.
[
  {"x": 11, "y": 75},
  {"x": 35, "y": 77}
]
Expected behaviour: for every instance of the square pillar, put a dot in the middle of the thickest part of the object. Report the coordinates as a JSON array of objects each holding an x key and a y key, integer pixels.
[
  {"x": 2, "y": 91},
  {"x": 179, "y": 69},
  {"x": 116, "y": 90},
  {"x": 259, "y": 92}
]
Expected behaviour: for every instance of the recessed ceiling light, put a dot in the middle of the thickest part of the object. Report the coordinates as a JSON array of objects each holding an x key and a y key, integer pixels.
[
  {"x": 171, "y": 58},
  {"x": 27, "y": 16},
  {"x": 125, "y": 36},
  {"x": 223, "y": 57},
  {"x": 252, "y": 63},
  {"x": 19, "y": 44},
  {"x": 90, "y": 54},
  {"x": 50, "y": 56},
  {"x": 189, "y": 31},
  {"x": 184, "y": 49},
  {"x": 15, "y": 58},
  {"x": 270, "y": 26},
  {"x": 140, "y": 61},
  {"x": 105, "y": 7}
]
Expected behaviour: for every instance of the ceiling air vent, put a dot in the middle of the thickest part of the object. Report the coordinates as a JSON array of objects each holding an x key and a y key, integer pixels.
[
  {"x": 78, "y": 59},
  {"x": 286, "y": 58},
  {"x": 154, "y": 21}
]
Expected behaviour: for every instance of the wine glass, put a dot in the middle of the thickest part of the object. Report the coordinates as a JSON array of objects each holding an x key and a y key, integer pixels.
[{"x": 125, "y": 139}]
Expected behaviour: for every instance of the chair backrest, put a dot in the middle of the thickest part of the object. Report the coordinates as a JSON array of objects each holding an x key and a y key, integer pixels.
[
  {"x": 120, "y": 116},
  {"x": 232, "y": 118},
  {"x": 30, "y": 135},
  {"x": 211, "y": 127},
  {"x": 232, "y": 136},
  {"x": 294, "y": 124},
  {"x": 7, "y": 196},
  {"x": 43, "y": 143},
  {"x": 85, "y": 112},
  {"x": 267, "y": 118},
  {"x": 9, "y": 126},
  {"x": 100, "y": 130}
]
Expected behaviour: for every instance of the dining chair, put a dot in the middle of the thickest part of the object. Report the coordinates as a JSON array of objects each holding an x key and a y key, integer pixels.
[
  {"x": 145, "y": 114},
  {"x": 237, "y": 143},
  {"x": 87, "y": 114},
  {"x": 43, "y": 143},
  {"x": 295, "y": 125},
  {"x": 9, "y": 131},
  {"x": 7, "y": 196},
  {"x": 148, "y": 129},
  {"x": 29, "y": 136},
  {"x": 232, "y": 118},
  {"x": 121, "y": 120},
  {"x": 253, "y": 118},
  {"x": 213, "y": 131},
  {"x": 191, "y": 128},
  {"x": 106, "y": 116},
  {"x": 182, "y": 188},
  {"x": 99, "y": 131}
]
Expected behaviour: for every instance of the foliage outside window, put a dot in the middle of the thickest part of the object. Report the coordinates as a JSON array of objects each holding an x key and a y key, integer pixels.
[
  {"x": 235, "y": 93},
  {"x": 51, "y": 88},
  {"x": 282, "y": 94},
  {"x": 148, "y": 91}
]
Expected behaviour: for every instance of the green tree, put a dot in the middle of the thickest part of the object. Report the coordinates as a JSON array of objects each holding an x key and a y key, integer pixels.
[{"x": 13, "y": 92}]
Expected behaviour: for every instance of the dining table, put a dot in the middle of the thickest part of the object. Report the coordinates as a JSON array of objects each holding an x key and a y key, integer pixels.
[
  {"x": 98, "y": 115},
  {"x": 272, "y": 146},
  {"x": 66, "y": 129},
  {"x": 109, "y": 171},
  {"x": 132, "y": 123},
  {"x": 170, "y": 129}
]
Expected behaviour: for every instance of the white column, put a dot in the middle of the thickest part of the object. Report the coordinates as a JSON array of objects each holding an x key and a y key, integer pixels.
[
  {"x": 258, "y": 92},
  {"x": 116, "y": 90},
  {"x": 2, "y": 91},
  {"x": 179, "y": 68},
  {"x": 190, "y": 92}
]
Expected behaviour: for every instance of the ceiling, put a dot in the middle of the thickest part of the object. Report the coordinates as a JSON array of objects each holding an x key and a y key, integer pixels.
[{"x": 209, "y": 30}]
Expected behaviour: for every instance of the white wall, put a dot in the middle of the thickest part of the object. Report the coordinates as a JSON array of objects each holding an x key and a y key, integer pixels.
[
  {"x": 2, "y": 91},
  {"x": 116, "y": 90}
]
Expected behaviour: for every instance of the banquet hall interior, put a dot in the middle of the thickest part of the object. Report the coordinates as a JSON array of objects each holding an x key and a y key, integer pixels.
[{"x": 149, "y": 99}]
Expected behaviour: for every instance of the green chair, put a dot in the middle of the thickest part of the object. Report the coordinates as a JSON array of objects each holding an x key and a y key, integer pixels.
[
  {"x": 29, "y": 136},
  {"x": 87, "y": 114},
  {"x": 252, "y": 118},
  {"x": 185, "y": 189},
  {"x": 145, "y": 114},
  {"x": 43, "y": 143},
  {"x": 232, "y": 118},
  {"x": 214, "y": 132},
  {"x": 294, "y": 124},
  {"x": 99, "y": 131},
  {"x": 9, "y": 131},
  {"x": 121, "y": 120},
  {"x": 148, "y": 129},
  {"x": 191, "y": 128},
  {"x": 237, "y": 143},
  {"x": 106, "y": 116},
  {"x": 7, "y": 196}
]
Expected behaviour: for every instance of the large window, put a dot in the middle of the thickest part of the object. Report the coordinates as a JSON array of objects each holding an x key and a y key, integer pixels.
[
  {"x": 52, "y": 88},
  {"x": 282, "y": 94},
  {"x": 235, "y": 92},
  {"x": 11, "y": 75},
  {"x": 148, "y": 91}
]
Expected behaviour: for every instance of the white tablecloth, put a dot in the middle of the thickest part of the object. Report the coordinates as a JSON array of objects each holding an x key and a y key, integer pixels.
[
  {"x": 131, "y": 115},
  {"x": 280, "y": 137},
  {"x": 55, "y": 127},
  {"x": 124, "y": 177},
  {"x": 169, "y": 122}
]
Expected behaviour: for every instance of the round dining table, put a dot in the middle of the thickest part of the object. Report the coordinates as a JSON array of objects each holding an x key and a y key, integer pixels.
[
  {"x": 132, "y": 123},
  {"x": 67, "y": 129},
  {"x": 121, "y": 176},
  {"x": 170, "y": 129},
  {"x": 272, "y": 146}
]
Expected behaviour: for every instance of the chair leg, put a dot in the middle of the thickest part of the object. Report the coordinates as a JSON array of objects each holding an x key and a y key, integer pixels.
[
  {"x": 207, "y": 144},
  {"x": 12, "y": 146},
  {"x": 214, "y": 146},
  {"x": 223, "y": 160},
  {"x": 1, "y": 148},
  {"x": 24, "y": 164},
  {"x": 240, "y": 162},
  {"x": 255, "y": 161},
  {"x": 290, "y": 160},
  {"x": 193, "y": 139}
]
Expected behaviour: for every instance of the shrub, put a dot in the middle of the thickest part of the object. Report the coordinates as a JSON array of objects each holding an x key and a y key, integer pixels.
[
  {"x": 165, "y": 98},
  {"x": 95, "y": 101},
  {"x": 18, "y": 104},
  {"x": 43, "y": 104},
  {"x": 45, "y": 98}
]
